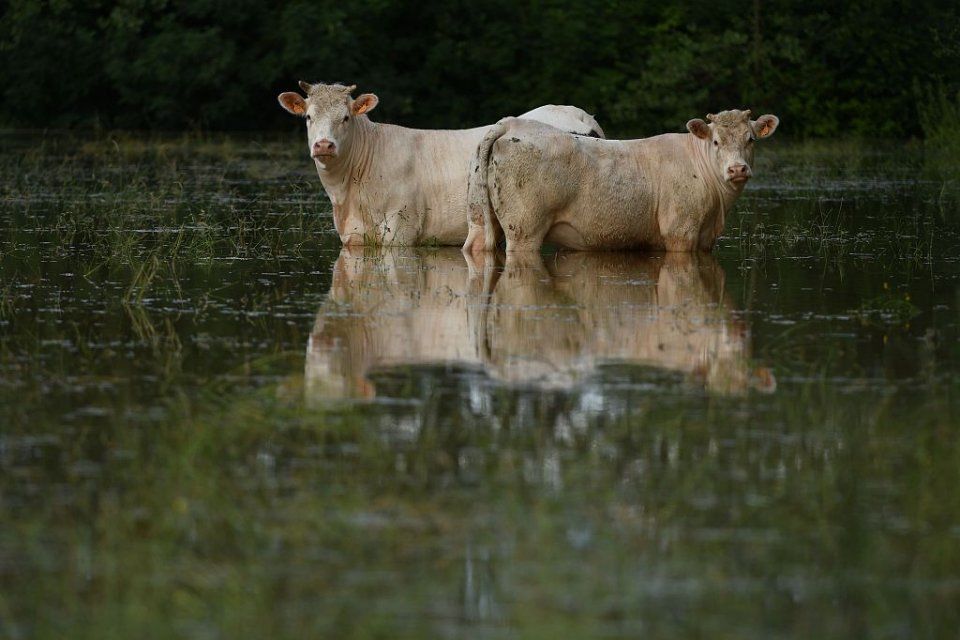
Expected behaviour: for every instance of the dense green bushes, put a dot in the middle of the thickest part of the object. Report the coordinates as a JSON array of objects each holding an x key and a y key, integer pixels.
[
  {"x": 939, "y": 114},
  {"x": 827, "y": 68}
]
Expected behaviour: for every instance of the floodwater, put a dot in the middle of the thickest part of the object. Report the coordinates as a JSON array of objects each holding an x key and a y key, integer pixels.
[{"x": 214, "y": 423}]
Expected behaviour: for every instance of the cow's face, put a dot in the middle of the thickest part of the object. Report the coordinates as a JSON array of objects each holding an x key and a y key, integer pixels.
[
  {"x": 329, "y": 112},
  {"x": 731, "y": 135}
]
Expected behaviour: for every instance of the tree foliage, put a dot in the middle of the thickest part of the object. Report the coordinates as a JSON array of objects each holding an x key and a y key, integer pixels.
[{"x": 827, "y": 68}]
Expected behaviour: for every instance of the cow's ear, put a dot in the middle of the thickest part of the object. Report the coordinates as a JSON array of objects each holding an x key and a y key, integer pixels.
[
  {"x": 699, "y": 128},
  {"x": 763, "y": 380},
  {"x": 293, "y": 102},
  {"x": 364, "y": 103},
  {"x": 764, "y": 126}
]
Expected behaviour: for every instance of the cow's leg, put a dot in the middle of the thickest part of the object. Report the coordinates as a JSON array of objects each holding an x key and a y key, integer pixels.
[
  {"x": 528, "y": 244},
  {"x": 525, "y": 234},
  {"x": 474, "y": 245},
  {"x": 679, "y": 243},
  {"x": 675, "y": 232}
]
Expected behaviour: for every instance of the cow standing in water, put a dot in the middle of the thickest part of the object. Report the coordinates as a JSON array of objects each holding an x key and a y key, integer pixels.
[
  {"x": 534, "y": 183},
  {"x": 391, "y": 185}
]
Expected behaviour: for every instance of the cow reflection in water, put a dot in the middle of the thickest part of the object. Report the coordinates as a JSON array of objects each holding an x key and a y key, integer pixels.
[{"x": 547, "y": 322}]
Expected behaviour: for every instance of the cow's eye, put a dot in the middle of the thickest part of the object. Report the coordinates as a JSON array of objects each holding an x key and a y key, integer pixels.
[
  {"x": 716, "y": 144},
  {"x": 345, "y": 118},
  {"x": 308, "y": 117}
]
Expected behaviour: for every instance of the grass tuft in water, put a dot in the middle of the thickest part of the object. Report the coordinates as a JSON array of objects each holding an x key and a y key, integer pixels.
[{"x": 887, "y": 309}]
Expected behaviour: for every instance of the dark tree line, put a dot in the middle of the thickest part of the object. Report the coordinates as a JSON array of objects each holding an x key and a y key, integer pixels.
[{"x": 827, "y": 67}]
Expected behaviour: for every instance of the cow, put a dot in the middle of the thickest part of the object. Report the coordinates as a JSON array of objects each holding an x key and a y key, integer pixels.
[
  {"x": 549, "y": 325},
  {"x": 533, "y": 183},
  {"x": 390, "y": 185}
]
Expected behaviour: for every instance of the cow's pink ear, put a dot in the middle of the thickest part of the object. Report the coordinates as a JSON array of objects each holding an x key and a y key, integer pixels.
[
  {"x": 699, "y": 128},
  {"x": 764, "y": 126},
  {"x": 293, "y": 102},
  {"x": 763, "y": 380},
  {"x": 364, "y": 103}
]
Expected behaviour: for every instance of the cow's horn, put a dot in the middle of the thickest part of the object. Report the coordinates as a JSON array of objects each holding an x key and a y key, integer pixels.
[
  {"x": 351, "y": 88},
  {"x": 711, "y": 117},
  {"x": 306, "y": 86}
]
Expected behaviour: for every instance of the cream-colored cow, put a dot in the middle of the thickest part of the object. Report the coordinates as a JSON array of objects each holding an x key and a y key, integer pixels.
[
  {"x": 533, "y": 183},
  {"x": 391, "y": 185}
]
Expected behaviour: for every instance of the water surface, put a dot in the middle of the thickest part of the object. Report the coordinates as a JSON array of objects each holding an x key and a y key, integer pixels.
[{"x": 215, "y": 423}]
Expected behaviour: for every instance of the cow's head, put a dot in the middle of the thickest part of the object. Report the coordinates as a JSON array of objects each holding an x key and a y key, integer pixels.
[
  {"x": 330, "y": 112},
  {"x": 731, "y": 135}
]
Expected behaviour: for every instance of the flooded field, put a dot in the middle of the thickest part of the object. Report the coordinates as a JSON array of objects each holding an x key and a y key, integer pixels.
[{"x": 214, "y": 423}]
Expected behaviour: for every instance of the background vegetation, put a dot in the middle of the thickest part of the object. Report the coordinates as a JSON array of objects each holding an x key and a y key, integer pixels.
[{"x": 864, "y": 68}]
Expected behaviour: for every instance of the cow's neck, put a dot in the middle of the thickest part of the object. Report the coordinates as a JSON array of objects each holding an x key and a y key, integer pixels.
[
  {"x": 342, "y": 176},
  {"x": 725, "y": 192}
]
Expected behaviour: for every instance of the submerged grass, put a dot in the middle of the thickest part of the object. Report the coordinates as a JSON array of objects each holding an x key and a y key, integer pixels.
[
  {"x": 142, "y": 210},
  {"x": 822, "y": 230},
  {"x": 831, "y": 200},
  {"x": 887, "y": 309}
]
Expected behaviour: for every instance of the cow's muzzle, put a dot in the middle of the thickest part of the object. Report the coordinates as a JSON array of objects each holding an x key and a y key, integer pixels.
[
  {"x": 323, "y": 149},
  {"x": 739, "y": 173}
]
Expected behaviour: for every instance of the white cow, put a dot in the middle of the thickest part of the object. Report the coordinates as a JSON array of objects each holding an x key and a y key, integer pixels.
[
  {"x": 671, "y": 192},
  {"x": 391, "y": 185}
]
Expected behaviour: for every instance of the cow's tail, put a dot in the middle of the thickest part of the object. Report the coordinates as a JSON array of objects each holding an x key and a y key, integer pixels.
[{"x": 481, "y": 224}]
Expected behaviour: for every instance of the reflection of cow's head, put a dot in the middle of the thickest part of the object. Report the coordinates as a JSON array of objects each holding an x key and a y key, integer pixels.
[
  {"x": 731, "y": 135},
  {"x": 330, "y": 368},
  {"x": 729, "y": 370},
  {"x": 330, "y": 113}
]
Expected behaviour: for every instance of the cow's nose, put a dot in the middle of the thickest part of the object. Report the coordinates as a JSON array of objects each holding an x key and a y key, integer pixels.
[
  {"x": 738, "y": 172},
  {"x": 324, "y": 147}
]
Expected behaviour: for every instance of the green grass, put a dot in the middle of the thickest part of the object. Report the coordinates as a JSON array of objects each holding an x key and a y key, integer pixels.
[{"x": 939, "y": 110}]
